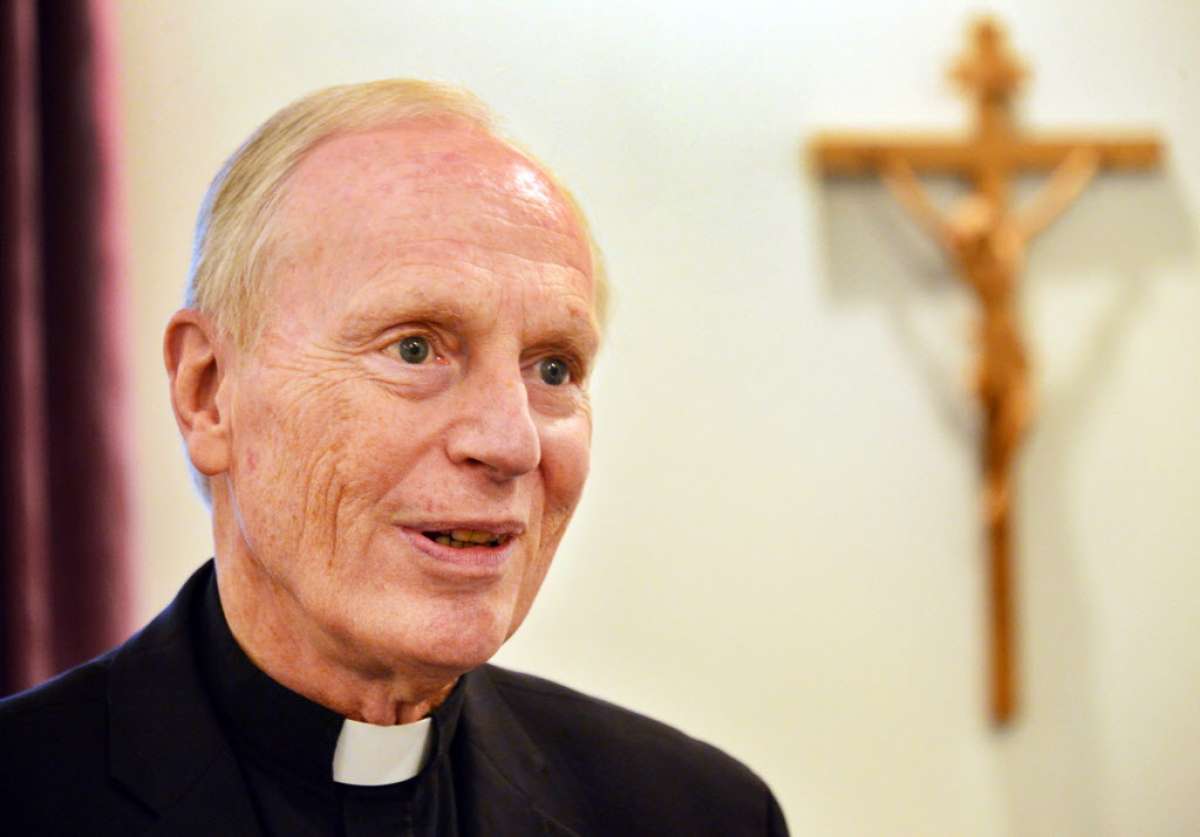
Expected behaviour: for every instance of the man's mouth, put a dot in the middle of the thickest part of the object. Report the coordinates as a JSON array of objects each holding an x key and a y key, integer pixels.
[{"x": 464, "y": 538}]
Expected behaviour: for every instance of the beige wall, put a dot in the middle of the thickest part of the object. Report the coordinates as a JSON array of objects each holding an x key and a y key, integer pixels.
[{"x": 777, "y": 551}]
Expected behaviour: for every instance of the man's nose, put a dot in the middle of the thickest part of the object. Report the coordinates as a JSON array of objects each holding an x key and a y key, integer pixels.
[{"x": 495, "y": 429}]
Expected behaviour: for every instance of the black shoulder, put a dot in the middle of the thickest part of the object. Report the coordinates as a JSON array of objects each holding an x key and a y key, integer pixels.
[
  {"x": 82, "y": 686},
  {"x": 640, "y": 770},
  {"x": 54, "y": 762},
  {"x": 605, "y": 728},
  {"x": 56, "y": 730}
]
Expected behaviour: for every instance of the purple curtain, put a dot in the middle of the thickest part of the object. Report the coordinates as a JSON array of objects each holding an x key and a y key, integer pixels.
[{"x": 65, "y": 564}]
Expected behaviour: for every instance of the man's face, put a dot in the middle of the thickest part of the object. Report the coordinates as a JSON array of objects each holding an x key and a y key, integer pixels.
[{"x": 419, "y": 384}]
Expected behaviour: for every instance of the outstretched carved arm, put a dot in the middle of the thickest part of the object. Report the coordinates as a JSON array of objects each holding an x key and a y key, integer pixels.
[
  {"x": 904, "y": 186},
  {"x": 1063, "y": 187}
]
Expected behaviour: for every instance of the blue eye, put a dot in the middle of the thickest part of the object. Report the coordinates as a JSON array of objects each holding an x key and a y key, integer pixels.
[
  {"x": 413, "y": 349},
  {"x": 554, "y": 371}
]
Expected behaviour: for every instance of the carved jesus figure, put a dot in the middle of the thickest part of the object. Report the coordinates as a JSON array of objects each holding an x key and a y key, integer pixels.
[{"x": 987, "y": 246}]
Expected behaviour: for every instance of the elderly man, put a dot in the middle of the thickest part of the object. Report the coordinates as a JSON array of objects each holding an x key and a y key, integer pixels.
[{"x": 381, "y": 379}]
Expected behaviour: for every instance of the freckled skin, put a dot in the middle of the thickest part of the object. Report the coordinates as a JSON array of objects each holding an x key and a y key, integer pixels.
[{"x": 334, "y": 440}]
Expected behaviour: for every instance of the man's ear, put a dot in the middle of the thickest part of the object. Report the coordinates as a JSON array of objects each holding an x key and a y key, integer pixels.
[{"x": 197, "y": 374}]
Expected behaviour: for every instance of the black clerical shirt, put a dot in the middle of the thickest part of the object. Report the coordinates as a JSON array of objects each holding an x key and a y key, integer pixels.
[
  {"x": 130, "y": 744},
  {"x": 285, "y": 744}
]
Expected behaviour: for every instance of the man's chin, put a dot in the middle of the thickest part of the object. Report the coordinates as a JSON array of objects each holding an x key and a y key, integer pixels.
[
  {"x": 447, "y": 651},
  {"x": 443, "y": 661},
  {"x": 415, "y": 635}
]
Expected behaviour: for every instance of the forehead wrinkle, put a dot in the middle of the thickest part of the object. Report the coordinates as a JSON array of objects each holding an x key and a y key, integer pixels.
[
  {"x": 482, "y": 268},
  {"x": 492, "y": 225},
  {"x": 395, "y": 293},
  {"x": 479, "y": 258},
  {"x": 500, "y": 247},
  {"x": 484, "y": 264},
  {"x": 484, "y": 231},
  {"x": 440, "y": 296}
]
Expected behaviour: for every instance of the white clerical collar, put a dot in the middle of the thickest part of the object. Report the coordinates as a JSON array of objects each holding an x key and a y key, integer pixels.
[{"x": 368, "y": 754}]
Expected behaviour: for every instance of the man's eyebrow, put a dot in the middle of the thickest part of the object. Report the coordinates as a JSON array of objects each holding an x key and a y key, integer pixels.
[
  {"x": 366, "y": 320},
  {"x": 583, "y": 342}
]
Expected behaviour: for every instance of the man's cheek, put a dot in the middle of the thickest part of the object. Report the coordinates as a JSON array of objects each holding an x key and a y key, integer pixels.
[
  {"x": 566, "y": 459},
  {"x": 289, "y": 471}
]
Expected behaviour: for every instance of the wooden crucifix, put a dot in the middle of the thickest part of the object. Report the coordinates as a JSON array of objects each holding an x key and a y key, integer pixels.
[{"x": 985, "y": 240}]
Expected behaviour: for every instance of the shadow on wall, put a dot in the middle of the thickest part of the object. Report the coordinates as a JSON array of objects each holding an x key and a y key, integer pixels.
[{"x": 1128, "y": 229}]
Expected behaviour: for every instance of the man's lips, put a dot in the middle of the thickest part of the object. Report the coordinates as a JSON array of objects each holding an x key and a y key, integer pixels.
[{"x": 474, "y": 545}]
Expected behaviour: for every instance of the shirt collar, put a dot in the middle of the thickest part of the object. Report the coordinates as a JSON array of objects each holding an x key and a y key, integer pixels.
[
  {"x": 292, "y": 735},
  {"x": 367, "y": 754}
]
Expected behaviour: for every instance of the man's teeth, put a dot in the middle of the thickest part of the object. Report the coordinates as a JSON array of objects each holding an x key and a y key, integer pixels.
[
  {"x": 472, "y": 536},
  {"x": 467, "y": 537}
]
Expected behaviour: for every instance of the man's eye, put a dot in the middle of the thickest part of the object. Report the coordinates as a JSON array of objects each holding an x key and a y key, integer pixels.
[
  {"x": 554, "y": 371},
  {"x": 413, "y": 349}
]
